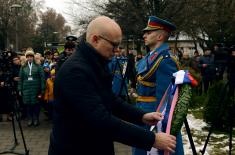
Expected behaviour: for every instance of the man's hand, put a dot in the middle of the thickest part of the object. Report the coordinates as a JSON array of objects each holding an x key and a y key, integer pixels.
[
  {"x": 1, "y": 84},
  {"x": 133, "y": 93},
  {"x": 164, "y": 141},
  {"x": 16, "y": 78},
  {"x": 40, "y": 96},
  {"x": 152, "y": 118}
]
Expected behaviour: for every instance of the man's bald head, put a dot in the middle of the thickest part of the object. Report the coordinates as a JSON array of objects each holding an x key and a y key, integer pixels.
[
  {"x": 102, "y": 25},
  {"x": 104, "y": 34}
]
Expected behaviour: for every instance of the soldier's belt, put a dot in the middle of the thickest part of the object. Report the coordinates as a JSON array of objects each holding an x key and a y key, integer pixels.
[
  {"x": 116, "y": 72},
  {"x": 146, "y": 99},
  {"x": 148, "y": 84}
]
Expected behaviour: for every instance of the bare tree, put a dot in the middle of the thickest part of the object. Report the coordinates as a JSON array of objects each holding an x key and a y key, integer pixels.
[
  {"x": 206, "y": 21},
  {"x": 26, "y": 19},
  {"x": 53, "y": 26}
]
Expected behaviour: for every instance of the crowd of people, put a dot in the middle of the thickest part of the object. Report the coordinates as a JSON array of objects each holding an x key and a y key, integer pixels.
[
  {"x": 29, "y": 76},
  {"x": 212, "y": 65}
]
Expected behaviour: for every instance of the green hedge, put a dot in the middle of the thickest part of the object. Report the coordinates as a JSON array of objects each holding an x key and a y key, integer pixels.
[{"x": 217, "y": 106}]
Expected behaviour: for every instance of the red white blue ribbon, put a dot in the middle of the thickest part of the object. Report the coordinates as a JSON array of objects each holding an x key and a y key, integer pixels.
[
  {"x": 183, "y": 76},
  {"x": 168, "y": 103}
]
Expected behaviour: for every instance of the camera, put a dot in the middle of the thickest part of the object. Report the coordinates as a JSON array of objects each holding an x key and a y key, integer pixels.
[
  {"x": 6, "y": 77},
  {"x": 5, "y": 58},
  {"x": 6, "y": 67}
]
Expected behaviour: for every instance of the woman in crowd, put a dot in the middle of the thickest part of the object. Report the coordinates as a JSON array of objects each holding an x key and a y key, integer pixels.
[{"x": 31, "y": 86}]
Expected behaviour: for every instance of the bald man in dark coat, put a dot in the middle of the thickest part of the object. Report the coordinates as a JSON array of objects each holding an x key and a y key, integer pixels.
[{"x": 88, "y": 117}]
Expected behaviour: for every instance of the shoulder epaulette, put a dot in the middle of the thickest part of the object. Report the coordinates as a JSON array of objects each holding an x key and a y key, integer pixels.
[{"x": 156, "y": 65}]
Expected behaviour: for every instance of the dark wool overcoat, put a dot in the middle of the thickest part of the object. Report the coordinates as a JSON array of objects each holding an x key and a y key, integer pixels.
[{"x": 88, "y": 117}]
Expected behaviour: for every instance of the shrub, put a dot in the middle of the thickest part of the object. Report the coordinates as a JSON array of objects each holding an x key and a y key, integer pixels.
[{"x": 217, "y": 106}]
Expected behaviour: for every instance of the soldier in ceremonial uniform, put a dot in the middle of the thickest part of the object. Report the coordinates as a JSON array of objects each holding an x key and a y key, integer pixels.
[
  {"x": 118, "y": 66},
  {"x": 154, "y": 71}
]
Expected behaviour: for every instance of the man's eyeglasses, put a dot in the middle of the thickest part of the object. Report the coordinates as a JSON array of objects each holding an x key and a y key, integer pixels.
[{"x": 114, "y": 44}]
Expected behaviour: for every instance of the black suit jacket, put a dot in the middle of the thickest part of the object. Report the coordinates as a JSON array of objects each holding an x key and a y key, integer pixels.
[{"x": 88, "y": 117}]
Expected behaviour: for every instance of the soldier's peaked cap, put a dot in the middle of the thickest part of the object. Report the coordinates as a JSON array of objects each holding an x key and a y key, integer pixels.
[
  {"x": 71, "y": 38},
  {"x": 155, "y": 23}
]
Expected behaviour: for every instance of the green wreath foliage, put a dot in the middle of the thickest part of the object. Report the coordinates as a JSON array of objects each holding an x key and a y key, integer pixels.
[{"x": 181, "y": 108}]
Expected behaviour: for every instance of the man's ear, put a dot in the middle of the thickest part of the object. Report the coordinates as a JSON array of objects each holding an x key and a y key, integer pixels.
[
  {"x": 94, "y": 39},
  {"x": 161, "y": 37}
]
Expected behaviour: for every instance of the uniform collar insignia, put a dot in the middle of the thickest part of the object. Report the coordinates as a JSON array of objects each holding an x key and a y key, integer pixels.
[{"x": 158, "y": 50}]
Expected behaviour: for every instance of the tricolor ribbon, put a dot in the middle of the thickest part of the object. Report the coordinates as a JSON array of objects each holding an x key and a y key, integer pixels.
[
  {"x": 168, "y": 103},
  {"x": 183, "y": 76}
]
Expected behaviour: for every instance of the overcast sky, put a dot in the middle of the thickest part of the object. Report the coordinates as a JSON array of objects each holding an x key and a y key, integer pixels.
[
  {"x": 59, "y": 5},
  {"x": 66, "y": 7}
]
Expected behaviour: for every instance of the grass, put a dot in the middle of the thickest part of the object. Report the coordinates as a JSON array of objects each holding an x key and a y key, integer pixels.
[{"x": 197, "y": 113}]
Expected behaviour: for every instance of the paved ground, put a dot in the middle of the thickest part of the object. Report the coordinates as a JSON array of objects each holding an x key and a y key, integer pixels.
[{"x": 37, "y": 138}]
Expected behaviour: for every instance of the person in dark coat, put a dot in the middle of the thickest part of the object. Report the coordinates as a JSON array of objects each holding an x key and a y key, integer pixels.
[
  {"x": 5, "y": 107},
  {"x": 220, "y": 60},
  {"x": 69, "y": 49},
  {"x": 88, "y": 117},
  {"x": 208, "y": 71},
  {"x": 15, "y": 78},
  {"x": 231, "y": 71}
]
